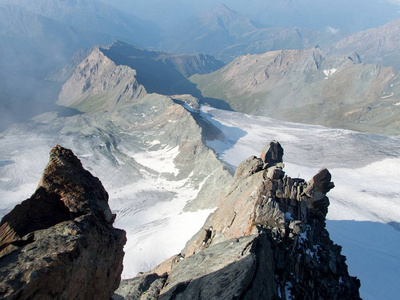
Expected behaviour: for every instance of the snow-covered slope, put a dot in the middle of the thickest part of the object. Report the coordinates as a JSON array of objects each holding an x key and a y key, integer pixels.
[
  {"x": 141, "y": 164},
  {"x": 150, "y": 158},
  {"x": 364, "y": 215}
]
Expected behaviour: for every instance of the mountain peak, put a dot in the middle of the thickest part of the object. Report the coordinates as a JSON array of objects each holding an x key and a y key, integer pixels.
[
  {"x": 98, "y": 75},
  {"x": 222, "y": 8}
]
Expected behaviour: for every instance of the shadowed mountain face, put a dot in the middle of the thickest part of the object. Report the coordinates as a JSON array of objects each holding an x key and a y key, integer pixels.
[
  {"x": 161, "y": 72},
  {"x": 309, "y": 87}
]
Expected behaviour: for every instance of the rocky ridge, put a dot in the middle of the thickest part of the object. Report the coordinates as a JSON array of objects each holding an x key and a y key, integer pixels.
[
  {"x": 375, "y": 45},
  {"x": 266, "y": 240},
  {"x": 60, "y": 243},
  {"x": 161, "y": 72}
]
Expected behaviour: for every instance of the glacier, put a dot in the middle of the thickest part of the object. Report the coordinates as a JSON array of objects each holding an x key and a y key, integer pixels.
[{"x": 364, "y": 215}]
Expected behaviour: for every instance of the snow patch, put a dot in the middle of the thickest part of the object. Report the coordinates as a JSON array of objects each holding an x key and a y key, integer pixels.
[
  {"x": 161, "y": 161},
  {"x": 329, "y": 72},
  {"x": 388, "y": 96}
]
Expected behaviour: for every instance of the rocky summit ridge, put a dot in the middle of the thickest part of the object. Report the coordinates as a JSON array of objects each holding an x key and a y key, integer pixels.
[
  {"x": 60, "y": 243},
  {"x": 266, "y": 240}
]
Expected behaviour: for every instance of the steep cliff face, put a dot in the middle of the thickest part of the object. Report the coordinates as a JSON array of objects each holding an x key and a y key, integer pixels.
[
  {"x": 266, "y": 240},
  {"x": 60, "y": 243}
]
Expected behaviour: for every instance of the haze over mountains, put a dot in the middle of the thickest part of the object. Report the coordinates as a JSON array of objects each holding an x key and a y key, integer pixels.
[
  {"x": 226, "y": 34},
  {"x": 347, "y": 16},
  {"x": 125, "y": 85},
  {"x": 40, "y": 37}
]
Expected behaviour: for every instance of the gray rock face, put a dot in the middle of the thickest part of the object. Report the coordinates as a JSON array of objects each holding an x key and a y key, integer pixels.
[
  {"x": 266, "y": 240},
  {"x": 60, "y": 243},
  {"x": 98, "y": 84}
]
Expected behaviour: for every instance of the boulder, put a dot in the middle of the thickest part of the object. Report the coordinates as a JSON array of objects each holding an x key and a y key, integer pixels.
[
  {"x": 272, "y": 154},
  {"x": 60, "y": 243}
]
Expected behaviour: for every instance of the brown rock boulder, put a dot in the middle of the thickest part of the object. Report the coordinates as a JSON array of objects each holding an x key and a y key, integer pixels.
[{"x": 60, "y": 243}]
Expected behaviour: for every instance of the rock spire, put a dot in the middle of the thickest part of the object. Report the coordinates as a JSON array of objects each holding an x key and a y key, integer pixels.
[
  {"x": 60, "y": 243},
  {"x": 266, "y": 240}
]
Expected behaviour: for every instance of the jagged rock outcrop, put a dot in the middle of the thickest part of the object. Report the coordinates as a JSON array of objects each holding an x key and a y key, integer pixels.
[
  {"x": 266, "y": 240},
  {"x": 60, "y": 243}
]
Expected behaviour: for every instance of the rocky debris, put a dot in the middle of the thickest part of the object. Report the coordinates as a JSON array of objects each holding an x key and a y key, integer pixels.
[
  {"x": 60, "y": 243},
  {"x": 266, "y": 240}
]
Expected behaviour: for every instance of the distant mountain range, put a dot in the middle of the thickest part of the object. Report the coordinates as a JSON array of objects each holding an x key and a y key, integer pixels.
[
  {"x": 39, "y": 37},
  {"x": 378, "y": 45},
  {"x": 226, "y": 34},
  {"x": 95, "y": 16},
  {"x": 308, "y": 86},
  {"x": 347, "y": 16}
]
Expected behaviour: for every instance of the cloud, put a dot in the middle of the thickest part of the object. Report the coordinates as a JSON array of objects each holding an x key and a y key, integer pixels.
[{"x": 333, "y": 30}]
